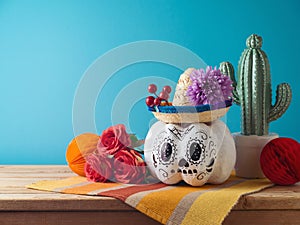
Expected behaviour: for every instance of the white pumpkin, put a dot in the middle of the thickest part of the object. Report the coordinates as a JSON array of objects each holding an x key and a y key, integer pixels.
[{"x": 197, "y": 153}]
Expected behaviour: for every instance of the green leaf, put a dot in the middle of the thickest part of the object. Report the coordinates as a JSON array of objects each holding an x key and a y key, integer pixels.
[
  {"x": 133, "y": 138},
  {"x": 135, "y": 142}
]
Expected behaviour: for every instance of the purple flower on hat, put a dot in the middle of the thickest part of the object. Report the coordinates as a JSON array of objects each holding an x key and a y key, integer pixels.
[{"x": 209, "y": 87}]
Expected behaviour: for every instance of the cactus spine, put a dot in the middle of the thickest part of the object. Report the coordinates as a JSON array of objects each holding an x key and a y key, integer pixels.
[{"x": 253, "y": 89}]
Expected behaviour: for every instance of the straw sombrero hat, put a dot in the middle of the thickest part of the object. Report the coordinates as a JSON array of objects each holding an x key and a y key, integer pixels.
[{"x": 182, "y": 111}]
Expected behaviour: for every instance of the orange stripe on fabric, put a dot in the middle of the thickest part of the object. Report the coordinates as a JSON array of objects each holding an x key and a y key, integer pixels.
[
  {"x": 160, "y": 206},
  {"x": 124, "y": 193},
  {"x": 85, "y": 189}
]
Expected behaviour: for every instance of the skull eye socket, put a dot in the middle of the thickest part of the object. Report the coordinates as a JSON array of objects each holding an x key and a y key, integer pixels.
[
  {"x": 166, "y": 151},
  {"x": 195, "y": 151}
]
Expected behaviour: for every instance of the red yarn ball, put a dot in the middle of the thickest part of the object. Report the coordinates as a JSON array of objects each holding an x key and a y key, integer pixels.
[{"x": 280, "y": 161}]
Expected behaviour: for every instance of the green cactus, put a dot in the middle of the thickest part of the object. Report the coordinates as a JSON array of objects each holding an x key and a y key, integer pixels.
[{"x": 253, "y": 89}]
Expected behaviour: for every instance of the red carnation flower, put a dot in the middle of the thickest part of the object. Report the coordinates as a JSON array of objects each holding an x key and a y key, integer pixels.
[
  {"x": 113, "y": 139},
  {"x": 98, "y": 168},
  {"x": 129, "y": 167}
]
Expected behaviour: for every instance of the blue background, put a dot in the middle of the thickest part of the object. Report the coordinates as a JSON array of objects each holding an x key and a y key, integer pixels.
[{"x": 46, "y": 46}]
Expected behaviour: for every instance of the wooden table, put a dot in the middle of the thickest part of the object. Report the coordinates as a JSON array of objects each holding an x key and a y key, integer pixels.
[{"x": 18, "y": 205}]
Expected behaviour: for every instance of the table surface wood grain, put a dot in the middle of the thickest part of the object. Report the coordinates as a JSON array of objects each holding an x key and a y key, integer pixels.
[{"x": 19, "y": 205}]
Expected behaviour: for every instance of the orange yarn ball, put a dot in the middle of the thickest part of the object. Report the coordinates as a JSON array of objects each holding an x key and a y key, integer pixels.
[{"x": 78, "y": 148}]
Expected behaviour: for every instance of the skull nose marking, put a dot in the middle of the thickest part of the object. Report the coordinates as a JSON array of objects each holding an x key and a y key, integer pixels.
[{"x": 183, "y": 162}]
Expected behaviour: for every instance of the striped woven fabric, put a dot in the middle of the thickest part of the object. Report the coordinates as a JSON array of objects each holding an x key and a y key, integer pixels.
[{"x": 177, "y": 204}]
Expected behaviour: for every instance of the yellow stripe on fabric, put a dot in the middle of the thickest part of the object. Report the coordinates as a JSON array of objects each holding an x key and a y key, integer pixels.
[
  {"x": 51, "y": 185},
  {"x": 211, "y": 208},
  {"x": 85, "y": 189},
  {"x": 160, "y": 206},
  {"x": 185, "y": 204}
]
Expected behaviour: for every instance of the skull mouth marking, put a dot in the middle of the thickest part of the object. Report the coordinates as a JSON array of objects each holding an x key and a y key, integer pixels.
[{"x": 187, "y": 171}]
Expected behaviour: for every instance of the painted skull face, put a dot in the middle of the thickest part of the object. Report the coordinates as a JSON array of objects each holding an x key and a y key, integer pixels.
[{"x": 190, "y": 152}]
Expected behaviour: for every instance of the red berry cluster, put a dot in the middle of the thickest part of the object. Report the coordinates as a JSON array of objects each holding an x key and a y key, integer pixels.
[{"x": 163, "y": 95}]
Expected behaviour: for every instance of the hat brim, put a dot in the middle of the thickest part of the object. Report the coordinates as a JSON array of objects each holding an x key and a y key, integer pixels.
[
  {"x": 191, "y": 114},
  {"x": 203, "y": 117}
]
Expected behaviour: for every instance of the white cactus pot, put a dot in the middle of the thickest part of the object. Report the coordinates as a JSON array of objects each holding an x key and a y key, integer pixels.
[{"x": 248, "y": 150}]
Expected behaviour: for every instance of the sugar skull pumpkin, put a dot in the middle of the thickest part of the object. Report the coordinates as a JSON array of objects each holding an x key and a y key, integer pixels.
[{"x": 196, "y": 153}]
